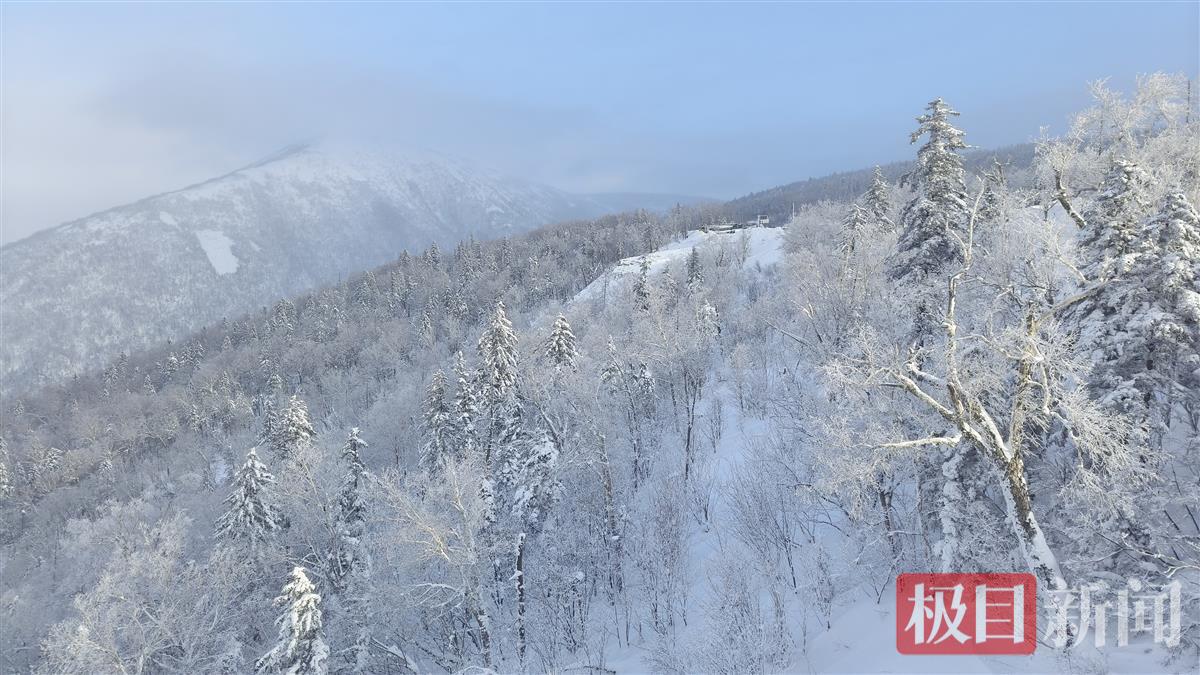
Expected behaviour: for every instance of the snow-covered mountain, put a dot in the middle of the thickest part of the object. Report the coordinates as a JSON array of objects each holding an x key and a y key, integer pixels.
[{"x": 74, "y": 296}]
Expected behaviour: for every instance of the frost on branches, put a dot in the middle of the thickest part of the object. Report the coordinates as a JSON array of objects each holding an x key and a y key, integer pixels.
[
  {"x": 349, "y": 558},
  {"x": 300, "y": 650},
  {"x": 933, "y": 223},
  {"x": 252, "y": 515},
  {"x": 560, "y": 346},
  {"x": 292, "y": 431}
]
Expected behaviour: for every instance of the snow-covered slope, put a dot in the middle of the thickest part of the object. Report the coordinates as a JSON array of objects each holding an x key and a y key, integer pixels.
[
  {"x": 763, "y": 249},
  {"x": 74, "y": 296}
]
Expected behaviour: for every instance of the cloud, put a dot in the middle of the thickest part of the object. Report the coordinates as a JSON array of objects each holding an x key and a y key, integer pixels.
[{"x": 74, "y": 146}]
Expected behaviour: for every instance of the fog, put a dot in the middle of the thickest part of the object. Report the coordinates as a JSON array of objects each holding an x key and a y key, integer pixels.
[{"x": 105, "y": 105}]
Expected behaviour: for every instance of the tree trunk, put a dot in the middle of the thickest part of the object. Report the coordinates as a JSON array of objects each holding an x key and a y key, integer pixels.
[
  {"x": 519, "y": 575},
  {"x": 1034, "y": 548}
]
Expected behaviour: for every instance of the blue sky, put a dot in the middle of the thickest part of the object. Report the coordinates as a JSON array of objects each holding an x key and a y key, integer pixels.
[{"x": 106, "y": 103}]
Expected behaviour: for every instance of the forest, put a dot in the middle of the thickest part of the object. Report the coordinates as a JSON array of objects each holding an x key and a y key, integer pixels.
[{"x": 629, "y": 444}]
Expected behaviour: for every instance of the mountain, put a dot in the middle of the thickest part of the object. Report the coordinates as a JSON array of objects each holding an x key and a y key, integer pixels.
[
  {"x": 74, "y": 296},
  {"x": 777, "y": 202}
]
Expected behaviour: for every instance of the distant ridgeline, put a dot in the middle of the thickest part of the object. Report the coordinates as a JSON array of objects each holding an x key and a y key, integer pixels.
[{"x": 776, "y": 203}]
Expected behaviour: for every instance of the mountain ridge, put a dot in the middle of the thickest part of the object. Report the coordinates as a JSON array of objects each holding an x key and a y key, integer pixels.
[{"x": 76, "y": 295}]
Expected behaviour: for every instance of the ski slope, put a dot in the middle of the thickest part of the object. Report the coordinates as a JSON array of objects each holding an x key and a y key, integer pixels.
[{"x": 765, "y": 250}]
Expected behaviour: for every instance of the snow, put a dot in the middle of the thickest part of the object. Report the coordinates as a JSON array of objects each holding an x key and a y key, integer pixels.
[
  {"x": 167, "y": 218},
  {"x": 766, "y": 249},
  {"x": 862, "y": 635},
  {"x": 219, "y": 249}
]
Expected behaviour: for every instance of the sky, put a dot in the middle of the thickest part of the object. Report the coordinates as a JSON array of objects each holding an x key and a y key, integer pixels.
[{"x": 103, "y": 104}]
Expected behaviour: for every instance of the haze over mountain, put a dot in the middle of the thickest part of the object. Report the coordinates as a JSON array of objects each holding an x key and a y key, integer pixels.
[{"x": 76, "y": 295}]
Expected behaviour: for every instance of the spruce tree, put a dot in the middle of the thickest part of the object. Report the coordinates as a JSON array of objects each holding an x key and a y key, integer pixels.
[
  {"x": 641, "y": 286},
  {"x": 6, "y": 486},
  {"x": 1108, "y": 251},
  {"x": 252, "y": 515},
  {"x": 1168, "y": 269},
  {"x": 437, "y": 420},
  {"x": 854, "y": 226},
  {"x": 466, "y": 407},
  {"x": 301, "y": 649},
  {"x": 498, "y": 353},
  {"x": 695, "y": 271},
  {"x": 933, "y": 224},
  {"x": 1142, "y": 326},
  {"x": 530, "y": 474},
  {"x": 994, "y": 184},
  {"x": 560, "y": 347},
  {"x": 1114, "y": 221},
  {"x": 878, "y": 202},
  {"x": 293, "y": 430},
  {"x": 348, "y": 558}
]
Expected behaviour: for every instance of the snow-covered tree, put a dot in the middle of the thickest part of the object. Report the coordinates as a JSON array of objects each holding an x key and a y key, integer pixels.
[
  {"x": 498, "y": 354},
  {"x": 1109, "y": 249},
  {"x": 854, "y": 226},
  {"x": 301, "y": 649},
  {"x": 1171, "y": 270},
  {"x": 532, "y": 479},
  {"x": 466, "y": 407},
  {"x": 695, "y": 268},
  {"x": 148, "y": 605},
  {"x": 641, "y": 285},
  {"x": 6, "y": 486},
  {"x": 348, "y": 557},
  {"x": 425, "y": 326},
  {"x": 438, "y": 422},
  {"x": 560, "y": 347},
  {"x": 1141, "y": 323},
  {"x": 933, "y": 223},
  {"x": 878, "y": 203},
  {"x": 251, "y": 515},
  {"x": 995, "y": 183},
  {"x": 293, "y": 430}
]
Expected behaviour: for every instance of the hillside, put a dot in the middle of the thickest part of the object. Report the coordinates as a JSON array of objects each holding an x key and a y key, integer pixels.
[
  {"x": 777, "y": 202},
  {"x": 74, "y": 297},
  {"x": 630, "y": 444}
]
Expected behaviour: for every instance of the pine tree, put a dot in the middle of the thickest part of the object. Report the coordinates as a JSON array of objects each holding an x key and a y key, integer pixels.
[
  {"x": 695, "y": 271},
  {"x": 530, "y": 474},
  {"x": 498, "y": 352},
  {"x": 348, "y": 558},
  {"x": 1171, "y": 278},
  {"x": 466, "y": 407},
  {"x": 425, "y": 328},
  {"x": 284, "y": 318},
  {"x": 438, "y": 421},
  {"x": 293, "y": 430},
  {"x": 300, "y": 650},
  {"x": 366, "y": 291},
  {"x": 6, "y": 486},
  {"x": 1108, "y": 251},
  {"x": 878, "y": 202},
  {"x": 560, "y": 347},
  {"x": 252, "y": 515},
  {"x": 641, "y": 286},
  {"x": 270, "y": 420},
  {"x": 994, "y": 184},
  {"x": 934, "y": 222},
  {"x": 1114, "y": 221},
  {"x": 1143, "y": 325},
  {"x": 854, "y": 226},
  {"x": 433, "y": 256}
]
